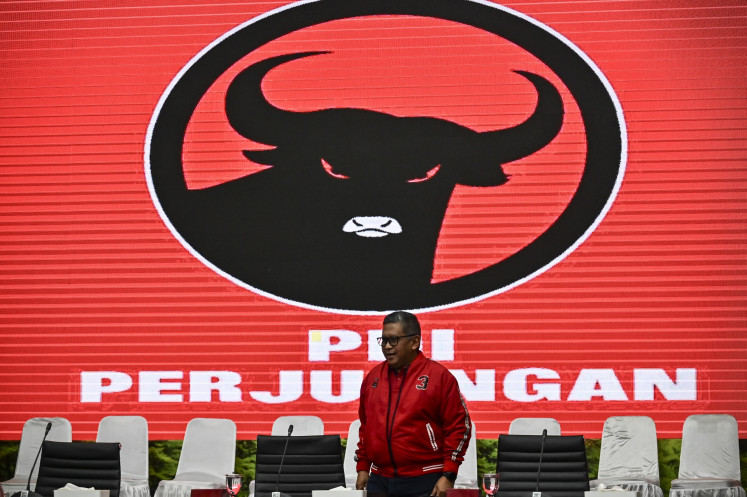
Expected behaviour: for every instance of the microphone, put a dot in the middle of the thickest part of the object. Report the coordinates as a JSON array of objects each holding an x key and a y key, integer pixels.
[
  {"x": 28, "y": 492},
  {"x": 277, "y": 492},
  {"x": 537, "y": 492}
]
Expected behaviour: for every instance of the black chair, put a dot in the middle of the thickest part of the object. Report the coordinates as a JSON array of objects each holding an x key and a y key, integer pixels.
[
  {"x": 81, "y": 463},
  {"x": 311, "y": 463},
  {"x": 565, "y": 472}
]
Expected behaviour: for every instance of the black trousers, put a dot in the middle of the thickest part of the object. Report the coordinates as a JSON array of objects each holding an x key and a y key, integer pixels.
[{"x": 402, "y": 486}]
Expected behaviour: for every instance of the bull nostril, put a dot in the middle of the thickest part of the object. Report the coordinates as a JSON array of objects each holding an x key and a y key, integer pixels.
[{"x": 372, "y": 226}]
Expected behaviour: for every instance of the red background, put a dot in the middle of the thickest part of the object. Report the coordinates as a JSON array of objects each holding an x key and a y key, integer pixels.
[{"x": 91, "y": 278}]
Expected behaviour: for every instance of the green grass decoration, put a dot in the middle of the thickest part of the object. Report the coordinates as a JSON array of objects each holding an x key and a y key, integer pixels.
[{"x": 164, "y": 458}]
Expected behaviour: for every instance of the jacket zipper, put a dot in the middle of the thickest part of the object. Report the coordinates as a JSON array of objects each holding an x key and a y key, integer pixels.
[{"x": 390, "y": 428}]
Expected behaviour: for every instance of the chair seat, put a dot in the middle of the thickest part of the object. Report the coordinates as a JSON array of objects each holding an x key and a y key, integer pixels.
[
  {"x": 196, "y": 477},
  {"x": 193, "y": 483},
  {"x": 134, "y": 488},
  {"x": 17, "y": 484},
  {"x": 735, "y": 491},
  {"x": 644, "y": 487},
  {"x": 705, "y": 483},
  {"x": 609, "y": 482},
  {"x": 183, "y": 488}
]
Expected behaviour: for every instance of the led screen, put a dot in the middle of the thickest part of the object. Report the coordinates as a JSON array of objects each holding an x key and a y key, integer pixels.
[{"x": 208, "y": 208}]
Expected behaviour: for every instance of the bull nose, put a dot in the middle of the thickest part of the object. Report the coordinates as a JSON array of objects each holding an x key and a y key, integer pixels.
[{"x": 372, "y": 226}]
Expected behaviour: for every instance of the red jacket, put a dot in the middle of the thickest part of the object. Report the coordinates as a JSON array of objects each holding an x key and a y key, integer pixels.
[{"x": 429, "y": 426}]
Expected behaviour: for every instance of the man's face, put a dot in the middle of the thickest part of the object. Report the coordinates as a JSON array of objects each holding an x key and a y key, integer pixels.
[{"x": 401, "y": 355}]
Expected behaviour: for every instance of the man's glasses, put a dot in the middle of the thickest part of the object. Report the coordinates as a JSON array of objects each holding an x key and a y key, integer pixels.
[{"x": 392, "y": 340}]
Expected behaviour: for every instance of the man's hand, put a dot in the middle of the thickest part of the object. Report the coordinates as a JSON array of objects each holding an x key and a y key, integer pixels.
[
  {"x": 362, "y": 481},
  {"x": 442, "y": 485}
]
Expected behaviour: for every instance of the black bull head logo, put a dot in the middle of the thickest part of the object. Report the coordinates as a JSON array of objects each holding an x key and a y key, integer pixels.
[{"x": 349, "y": 214}]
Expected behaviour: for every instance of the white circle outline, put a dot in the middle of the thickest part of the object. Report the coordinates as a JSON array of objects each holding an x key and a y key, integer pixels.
[{"x": 592, "y": 227}]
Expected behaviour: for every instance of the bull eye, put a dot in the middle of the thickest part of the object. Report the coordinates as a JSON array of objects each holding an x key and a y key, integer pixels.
[
  {"x": 427, "y": 176},
  {"x": 328, "y": 168}
]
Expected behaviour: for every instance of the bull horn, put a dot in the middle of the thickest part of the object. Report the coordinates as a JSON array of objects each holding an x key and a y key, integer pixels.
[
  {"x": 249, "y": 112},
  {"x": 536, "y": 132}
]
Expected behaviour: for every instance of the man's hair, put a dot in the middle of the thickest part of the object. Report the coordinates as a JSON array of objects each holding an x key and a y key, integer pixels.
[{"x": 409, "y": 321}]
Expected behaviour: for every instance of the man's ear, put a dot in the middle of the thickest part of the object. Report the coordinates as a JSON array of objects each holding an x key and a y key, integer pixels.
[{"x": 416, "y": 342}]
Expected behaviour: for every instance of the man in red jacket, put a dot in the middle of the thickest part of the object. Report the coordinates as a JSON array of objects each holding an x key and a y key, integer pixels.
[{"x": 415, "y": 426}]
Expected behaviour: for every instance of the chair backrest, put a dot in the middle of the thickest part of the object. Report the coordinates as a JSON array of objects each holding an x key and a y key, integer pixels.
[
  {"x": 302, "y": 425},
  {"x": 31, "y": 439},
  {"x": 467, "y": 474},
  {"x": 312, "y": 462},
  {"x": 710, "y": 447},
  {"x": 209, "y": 449},
  {"x": 132, "y": 433},
  {"x": 349, "y": 463},
  {"x": 83, "y": 464},
  {"x": 564, "y": 470},
  {"x": 629, "y": 449},
  {"x": 534, "y": 426}
]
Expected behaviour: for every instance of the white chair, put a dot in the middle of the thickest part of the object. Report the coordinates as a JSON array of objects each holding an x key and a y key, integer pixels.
[
  {"x": 534, "y": 426},
  {"x": 629, "y": 457},
  {"x": 467, "y": 474},
  {"x": 302, "y": 425},
  {"x": 208, "y": 454},
  {"x": 709, "y": 459},
  {"x": 132, "y": 434},
  {"x": 349, "y": 463},
  {"x": 31, "y": 438}
]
